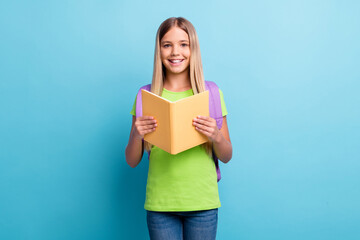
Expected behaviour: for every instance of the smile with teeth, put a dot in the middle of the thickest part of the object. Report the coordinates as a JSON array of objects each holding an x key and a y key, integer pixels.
[{"x": 176, "y": 61}]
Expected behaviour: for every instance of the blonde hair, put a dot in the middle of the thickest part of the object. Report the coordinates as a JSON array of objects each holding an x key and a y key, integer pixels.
[{"x": 196, "y": 71}]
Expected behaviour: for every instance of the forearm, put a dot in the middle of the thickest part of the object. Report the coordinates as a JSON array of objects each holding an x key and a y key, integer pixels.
[
  {"x": 222, "y": 148},
  {"x": 134, "y": 151}
]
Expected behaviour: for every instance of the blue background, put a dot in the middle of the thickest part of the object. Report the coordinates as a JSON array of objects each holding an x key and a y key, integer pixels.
[{"x": 69, "y": 72}]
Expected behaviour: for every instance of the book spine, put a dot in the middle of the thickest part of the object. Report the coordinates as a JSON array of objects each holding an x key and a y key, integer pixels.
[{"x": 172, "y": 127}]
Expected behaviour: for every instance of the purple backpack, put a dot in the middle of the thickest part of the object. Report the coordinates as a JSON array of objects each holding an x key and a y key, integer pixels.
[{"x": 215, "y": 111}]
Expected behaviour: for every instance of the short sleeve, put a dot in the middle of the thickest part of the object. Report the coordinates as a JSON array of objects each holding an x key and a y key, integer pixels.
[
  {"x": 223, "y": 106},
  {"x": 133, "y": 110}
]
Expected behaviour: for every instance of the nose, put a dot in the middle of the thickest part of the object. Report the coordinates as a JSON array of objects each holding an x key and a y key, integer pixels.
[{"x": 175, "y": 51}]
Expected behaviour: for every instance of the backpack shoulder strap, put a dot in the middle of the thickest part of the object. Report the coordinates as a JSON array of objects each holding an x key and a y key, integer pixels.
[
  {"x": 215, "y": 112},
  {"x": 138, "y": 110},
  {"x": 214, "y": 102}
]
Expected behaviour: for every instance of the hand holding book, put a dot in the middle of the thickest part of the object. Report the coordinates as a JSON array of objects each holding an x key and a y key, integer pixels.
[
  {"x": 207, "y": 126},
  {"x": 175, "y": 131},
  {"x": 144, "y": 125}
]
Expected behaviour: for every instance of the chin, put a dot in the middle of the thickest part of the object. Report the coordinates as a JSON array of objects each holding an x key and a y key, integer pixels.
[{"x": 178, "y": 72}]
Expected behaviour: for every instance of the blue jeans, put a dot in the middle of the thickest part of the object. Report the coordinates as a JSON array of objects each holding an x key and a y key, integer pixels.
[{"x": 195, "y": 225}]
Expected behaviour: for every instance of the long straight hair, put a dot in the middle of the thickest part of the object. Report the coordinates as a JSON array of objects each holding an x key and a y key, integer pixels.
[{"x": 196, "y": 70}]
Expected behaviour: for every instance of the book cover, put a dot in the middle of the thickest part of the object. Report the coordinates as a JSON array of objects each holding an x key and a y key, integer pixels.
[{"x": 175, "y": 131}]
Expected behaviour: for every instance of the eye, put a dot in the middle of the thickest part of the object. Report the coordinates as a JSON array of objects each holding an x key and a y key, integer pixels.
[
  {"x": 184, "y": 44},
  {"x": 166, "y": 45}
]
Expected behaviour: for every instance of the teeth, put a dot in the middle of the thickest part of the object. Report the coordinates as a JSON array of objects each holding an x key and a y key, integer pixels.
[{"x": 175, "y": 61}]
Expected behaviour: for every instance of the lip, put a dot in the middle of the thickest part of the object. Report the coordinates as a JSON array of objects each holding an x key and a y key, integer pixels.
[{"x": 176, "y": 63}]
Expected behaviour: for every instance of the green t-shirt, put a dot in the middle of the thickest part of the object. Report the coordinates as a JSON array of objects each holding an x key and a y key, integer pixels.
[{"x": 186, "y": 181}]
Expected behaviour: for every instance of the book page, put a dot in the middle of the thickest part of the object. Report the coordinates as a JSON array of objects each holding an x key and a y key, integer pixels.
[
  {"x": 184, "y": 134},
  {"x": 153, "y": 105}
]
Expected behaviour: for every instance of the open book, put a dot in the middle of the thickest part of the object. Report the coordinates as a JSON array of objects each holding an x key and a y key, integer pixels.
[{"x": 175, "y": 131}]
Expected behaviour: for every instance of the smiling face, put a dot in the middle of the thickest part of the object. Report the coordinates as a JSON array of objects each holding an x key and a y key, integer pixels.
[{"x": 175, "y": 51}]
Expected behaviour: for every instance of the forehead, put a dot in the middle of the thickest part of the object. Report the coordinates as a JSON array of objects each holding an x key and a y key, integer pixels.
[{"x": 175, "y": 34}]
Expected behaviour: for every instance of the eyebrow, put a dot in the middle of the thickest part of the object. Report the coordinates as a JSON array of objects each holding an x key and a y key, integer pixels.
[{"x": 171, "y": 42}]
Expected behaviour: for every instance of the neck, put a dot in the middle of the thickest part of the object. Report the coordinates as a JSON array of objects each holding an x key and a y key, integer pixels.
[{"x": 177, "y": 82}]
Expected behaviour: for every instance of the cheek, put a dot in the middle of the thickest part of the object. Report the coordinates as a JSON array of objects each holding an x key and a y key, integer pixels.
[
  {"x": 162, "y": 59},
  {"x": 163, "y": 55},
  {"x": 188, "y": 53}
]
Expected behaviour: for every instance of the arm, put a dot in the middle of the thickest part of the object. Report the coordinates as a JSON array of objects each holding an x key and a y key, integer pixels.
[
  {"x": 135, "y": 149},
  {"x": 220, "y": 138},
  {"x": 222, "y": 144}
]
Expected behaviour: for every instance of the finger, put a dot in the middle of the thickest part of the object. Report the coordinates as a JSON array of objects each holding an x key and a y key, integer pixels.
[
  {"x": 149, "y": 131},
  {"x": 203, "y": 132},
  {"x": 204, "y": 128},
  {"x": 145, "y": 118},
  {"x": 146, "y": 127},
  {"x": 205, "y": 118},
  {"x": 202, "y": 119},
  {"x": 210, "y": 125},
  {"x": 203, "y": 122},
  {"x": 146, "y": 122}
]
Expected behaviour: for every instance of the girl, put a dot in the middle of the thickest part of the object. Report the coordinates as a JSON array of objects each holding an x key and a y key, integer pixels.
[{"x": 182, "y": 198}]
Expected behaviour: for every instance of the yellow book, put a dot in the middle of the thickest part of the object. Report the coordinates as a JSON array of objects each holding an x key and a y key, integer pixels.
[{"x": 175, "y": 131}]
